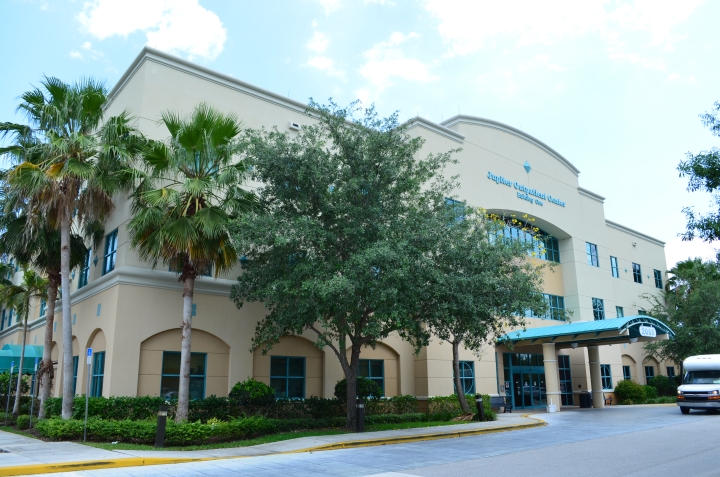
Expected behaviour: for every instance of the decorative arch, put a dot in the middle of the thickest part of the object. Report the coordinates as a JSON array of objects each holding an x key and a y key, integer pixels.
[
  {"x": 292, "y": 346},
  {"x": 96, "y": 341},
  {"x": 391, "y": 365},
  {"x": 216, "y": 366}
]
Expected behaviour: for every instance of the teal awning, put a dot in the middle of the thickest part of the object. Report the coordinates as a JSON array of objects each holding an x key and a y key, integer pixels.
[
  {"x": 591, "y": 333},
  {"x": 10, "y": 353}
]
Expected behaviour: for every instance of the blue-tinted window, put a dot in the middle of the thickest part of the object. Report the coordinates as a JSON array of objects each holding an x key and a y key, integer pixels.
[
  {"x": 614, "y": 267},
  {"x": 467, "y": 377},
  {"x": 598, "y": 308},
  {"x": 2, "y": 320},
  {"x": 658, "y": 279},
  {"x": 619, "y": 311},
  {"x": 98, "y": 374},
  {"x": 592, "y": 254},
  {"x": 111, "y": 242},
  {"x": 541, "y": 244},
  {"x": 637, "y": 273},
  {"x": 649, "y": 373},
  {"x": 606, "y": 376},
  {"x": 170, "y": 379},
  {"x": 556, "y": 308},
  {"x": 85, "y": 271},
  {"x": 43, "y": 305},
  {"x": 75, "y": 370},
  {"x": 374, "y": 369},
  {"x": 287, "y": 376},
  {"x": 627, "y": 376}
]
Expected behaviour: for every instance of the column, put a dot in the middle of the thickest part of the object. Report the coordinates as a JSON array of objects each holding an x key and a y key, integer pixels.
[
  {"x": 552, "y": 382},
  {"x": 596, "y": 377}
]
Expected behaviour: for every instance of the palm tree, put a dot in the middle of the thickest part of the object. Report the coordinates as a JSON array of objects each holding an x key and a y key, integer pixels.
[
  {"x": 79, "y": 162},
  {"x": 41, "y": 250},
  {"x": 19, "y": 297},
  {"x": 183, "y": 206}
]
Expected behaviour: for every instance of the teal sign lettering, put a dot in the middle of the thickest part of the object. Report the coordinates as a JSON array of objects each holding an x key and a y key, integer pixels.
[{"x": 533, "y": 196}]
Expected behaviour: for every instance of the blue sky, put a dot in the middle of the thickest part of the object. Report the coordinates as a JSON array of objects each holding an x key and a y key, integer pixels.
[{"x": 614, "y": 86}]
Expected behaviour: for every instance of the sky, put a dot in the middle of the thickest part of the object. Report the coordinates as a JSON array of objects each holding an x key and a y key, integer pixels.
[{"x": 615, "y": 86}]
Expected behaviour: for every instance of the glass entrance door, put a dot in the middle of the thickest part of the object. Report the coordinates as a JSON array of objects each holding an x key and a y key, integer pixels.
[{"x": 527, "y": 375}]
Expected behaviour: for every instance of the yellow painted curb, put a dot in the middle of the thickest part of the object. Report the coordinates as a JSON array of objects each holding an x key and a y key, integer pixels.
[
  {"x": 143, "y": 461},
  {"x": 93, "y": 465}
]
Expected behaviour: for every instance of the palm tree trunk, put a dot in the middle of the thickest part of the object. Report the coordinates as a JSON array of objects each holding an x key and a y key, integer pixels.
[
  {"x": 184, "y": 388},
  {"x": 46, "y": 366},
  {"x": 456, "y": 371},
  {"x": 67, "y": 361},
  {"x": 16, "y": 406}
]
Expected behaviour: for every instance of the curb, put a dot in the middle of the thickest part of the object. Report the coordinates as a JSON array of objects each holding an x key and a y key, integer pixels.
[{"x": 144, "y": 461}]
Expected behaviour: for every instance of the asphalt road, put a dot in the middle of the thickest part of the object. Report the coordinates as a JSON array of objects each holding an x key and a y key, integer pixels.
[{"x": 617, "y": 441}]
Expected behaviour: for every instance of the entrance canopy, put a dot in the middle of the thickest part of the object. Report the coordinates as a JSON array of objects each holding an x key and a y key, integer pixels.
[
  {"x": 11, "y": 353},
  {"x": 629, "y": 329}
]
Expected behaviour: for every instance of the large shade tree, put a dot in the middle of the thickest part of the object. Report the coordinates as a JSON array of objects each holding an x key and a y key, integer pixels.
[
  {"x": 339, "y": 250},
  {"x": 190, "y": 191},
  {"x": 483, "y": 282},
  {"x": 79, "y": 160},
  {"x": 690, "y": 305},
  {"x": 33, "y": 287}
]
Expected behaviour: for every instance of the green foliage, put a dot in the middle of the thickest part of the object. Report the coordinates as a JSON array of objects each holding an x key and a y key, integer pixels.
[
  {"x": 630, "y": 392},
  {"x": 5, "y": 377},
  {"x": 663, "y": 386},
  {"x": 23, "y": 421},
  {"x": 690, "y": 306},
  {"x": 449, "y": 406},
  {"x": 650, "y": 392},
  {"x": 405, "y": 404},
  {"x": 252, "y": 393},
  {"x": 366, "y": 389}
]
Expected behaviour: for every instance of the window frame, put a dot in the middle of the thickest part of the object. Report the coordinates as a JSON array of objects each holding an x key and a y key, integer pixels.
[
  {"x": 649, "y": 376},
  {"x": 598, "y": 310},
  {"x": 287, "y": 377},
  {"x": 627, "y": 373},
  {"x": 606, "y": 377},
  {"x": 614, "y": 267},
  {"x": 657, "y": 274},
  {"x": 464, "y": 366},
  {"x": 619, "y": 311},
  {"x": 369, "y": 362},
  {"x": 593, "y": 259},
  {"x": 111, "y": 241},
  {"x": 76, "y": 363},
  {"x": 43, "y": 306},
  {"x": 637, "y": 273},
  {"x": 2, "y": 319},
  {"x": 195, "y": 376},
  {"x": 670, "y": 375},
  {"x": 84, "y": 276},
  {"x": 97, "y": 378}
]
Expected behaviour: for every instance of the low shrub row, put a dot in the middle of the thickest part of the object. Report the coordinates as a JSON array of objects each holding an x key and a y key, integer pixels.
[
  {"x": 450, "y": 405},
  {"x": 192, "y": 433},
  {"x": 630, "y": 392}
]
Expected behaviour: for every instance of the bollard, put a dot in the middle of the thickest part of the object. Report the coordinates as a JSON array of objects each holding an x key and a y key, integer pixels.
[
  {"x": 161, "y": 421},
  {"x": 360, "y": 416},
  {"x": 480, "y": 407}
]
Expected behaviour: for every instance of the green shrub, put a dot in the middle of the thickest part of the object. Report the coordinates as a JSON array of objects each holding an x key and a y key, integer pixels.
[
  {"x": 24, "y": 385},
  {"x": 23, "y": 421},
  {"x": 630, "y": 392},
  {"x": 366, "y": 389},
  {"x": 10, "y": 418},
  {"x": 650, "y": 392},
  {"x": 450, "y": 406},
  {"x": 405, "y": 404},
  {"x": 663, "y": 385},
  {"x": 252, "y": 393}
]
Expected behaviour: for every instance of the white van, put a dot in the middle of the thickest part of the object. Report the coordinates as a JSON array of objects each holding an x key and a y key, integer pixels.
[{"x": 701, "y": 384}]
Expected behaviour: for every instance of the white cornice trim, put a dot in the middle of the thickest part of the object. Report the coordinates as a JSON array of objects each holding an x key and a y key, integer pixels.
[
  {"x": 171, "y": 61},
  {"x": 478, "y": 121},
  {"x": 591, "y": 194},
  {"x": 628, "y": 230},
  {"x": 420, "y": 122}
]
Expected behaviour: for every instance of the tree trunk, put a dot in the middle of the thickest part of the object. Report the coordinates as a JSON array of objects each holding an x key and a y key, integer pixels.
[
  {"x": 456, "y": 372},
  {"x": 46, "y": 368},
  {"x": 184, "y": 389},
  {"x": 350, "y": 370},
  {"x": 16, "y": 406},
  {"x": 67, "y": 361}
]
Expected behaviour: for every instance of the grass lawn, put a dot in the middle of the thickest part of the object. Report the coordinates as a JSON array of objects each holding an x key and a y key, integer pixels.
[{"x": 270, "y": 438}]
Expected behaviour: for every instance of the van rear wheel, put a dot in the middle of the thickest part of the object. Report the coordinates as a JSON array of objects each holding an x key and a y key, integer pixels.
[{"x": 685, "y": 410}]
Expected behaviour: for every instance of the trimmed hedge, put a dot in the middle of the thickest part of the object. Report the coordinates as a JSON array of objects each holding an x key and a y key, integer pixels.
[
  {"x": 450, "y": 406},
  {"x": 191, "y": 433}
]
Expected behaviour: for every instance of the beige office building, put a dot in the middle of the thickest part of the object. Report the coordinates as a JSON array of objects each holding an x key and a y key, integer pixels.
[{"x": 130, "y": 314}]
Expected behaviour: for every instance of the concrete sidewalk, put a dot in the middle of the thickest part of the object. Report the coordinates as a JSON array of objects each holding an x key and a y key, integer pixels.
[{"x": 21, "y": 455}]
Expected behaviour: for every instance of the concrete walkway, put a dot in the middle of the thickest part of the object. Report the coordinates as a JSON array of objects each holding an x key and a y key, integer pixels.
[{"x": 21, "y": 455}]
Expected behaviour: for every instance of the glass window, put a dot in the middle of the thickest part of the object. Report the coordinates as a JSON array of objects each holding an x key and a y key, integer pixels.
[
  {"x": 620, "y": 312},
  {"x": 373, "y": 369},
  {"x": 670, "y": 371},
  {"x": 2, "y": 320},
  {"x": 110, "y": 252},
  {"x": 642, "y": 312},
  {"x": 10, "y": 315},
  {"x": 75, "y": 368},
  {"x": 649, "y": 373},
  {"x": 658, "y": 279},
  {"x": 170, "y": 380},
  {"x": 467, "y": 377},
  {"x": 457, "y": 208},
  {"x": 614, "y": 267},
  {"x": 627, "y": 376},
  {"x": 598, "y": 308},
  {"x": 556, "y": 308},
  {"x": 98, "y": 374},
  {"x": 606, "y": 377},
  {"x": 544, "y": 246},
  {"x": 637, "y": 272},
  {"x": 85, "y": 270},
  {"x": 43, "y": 305},
  {"x": 592, "y": 254},
  {"x": 287, "y": 376}
]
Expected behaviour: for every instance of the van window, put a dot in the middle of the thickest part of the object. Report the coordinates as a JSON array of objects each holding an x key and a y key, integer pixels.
[{"x": 702, "y": 377}]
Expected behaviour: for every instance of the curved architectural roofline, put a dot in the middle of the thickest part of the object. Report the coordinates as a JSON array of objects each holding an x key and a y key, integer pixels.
[{"x": 463, "y": 118}]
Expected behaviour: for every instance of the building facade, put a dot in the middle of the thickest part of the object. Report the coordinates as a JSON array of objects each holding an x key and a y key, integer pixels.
[{"x": 130, "y": 314}]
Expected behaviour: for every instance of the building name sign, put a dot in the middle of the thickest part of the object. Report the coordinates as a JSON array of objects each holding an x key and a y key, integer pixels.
[
  {"x": 533, "y": 196},
  {"x": 648, "y": 331}
]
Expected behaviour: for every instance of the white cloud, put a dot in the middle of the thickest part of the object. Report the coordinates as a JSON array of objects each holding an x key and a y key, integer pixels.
[
  {"x": 386, "y": 61},
  {"x": 88, "y": 52},
  {"x": 469, "y": 25},
  {"x": 318, "y": 42},
  {"x": 323, "y": 63},
  {"x": 329, "y": 5},
  {"x": 178, "y": 26},
  {"x": 76, "y": 55}
]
